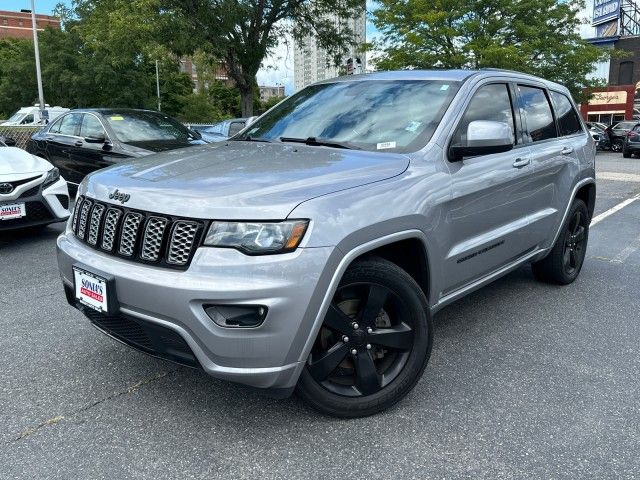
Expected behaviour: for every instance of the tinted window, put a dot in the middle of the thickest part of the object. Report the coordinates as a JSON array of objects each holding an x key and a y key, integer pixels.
[
  {"x": 91, "y": 127},
  {"x": 490, "y": 102},
  {"x": 389, "y": 115},
  {"x": 235, "y": 127},
  {"x": 535, "y": 108},
  {"x": 624, "y": 125},
  {"x": 568, "y": 120},
  {"x": 55, "y": 128},
  {"x": 69, "y": 124},
  {"x": 131, "y": 127},
  {"x": 28, "y": 119}
]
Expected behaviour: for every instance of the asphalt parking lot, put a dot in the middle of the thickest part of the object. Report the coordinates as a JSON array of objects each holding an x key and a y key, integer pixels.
[{"x": 526, "y": 380}]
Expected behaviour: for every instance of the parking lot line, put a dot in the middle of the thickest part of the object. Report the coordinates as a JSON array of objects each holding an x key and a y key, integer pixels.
[
  {"x": 627, "y": 251},
  {"x": 598, "y": 218}
]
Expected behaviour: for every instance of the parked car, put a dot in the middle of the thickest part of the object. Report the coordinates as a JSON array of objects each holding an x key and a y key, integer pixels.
[
  {"x": 223, "y": 130},
  {"x": 311, "y": 250},
  {"x": 30, "y": 116},
  {"x": 618, "y": 133},
  {"x": 632, "y": 142},
  {"x": 32, "y": 193},
  {"x": 83, "y": 141},
  {"x": 600, "y": 135},
  {"x": 7, "y": 141}
]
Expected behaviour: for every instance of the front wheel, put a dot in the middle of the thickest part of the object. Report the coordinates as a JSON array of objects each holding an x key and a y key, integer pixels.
[
  {"x": 564, "y": 263},
  {"x": 373, "y": 345},
  {"x": 617, "y": 145}
]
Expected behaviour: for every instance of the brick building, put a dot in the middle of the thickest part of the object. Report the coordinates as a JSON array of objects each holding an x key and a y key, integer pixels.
[
  {"x": 18, "y": 24},
  {"x": 267, "y": 92}
]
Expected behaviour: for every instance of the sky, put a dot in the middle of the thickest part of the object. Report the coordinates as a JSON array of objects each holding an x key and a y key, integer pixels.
[{"x": 278, "y": 69}]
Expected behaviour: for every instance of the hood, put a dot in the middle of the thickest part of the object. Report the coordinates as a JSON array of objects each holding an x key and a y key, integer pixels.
[
  {"x": 240, "y": 180},
  {"x": 17, "y": 163}
]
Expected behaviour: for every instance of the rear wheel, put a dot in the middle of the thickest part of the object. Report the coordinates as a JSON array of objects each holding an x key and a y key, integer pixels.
[
  {"x": 562, "y": 266},
  {"x": 373, "y": 345}
]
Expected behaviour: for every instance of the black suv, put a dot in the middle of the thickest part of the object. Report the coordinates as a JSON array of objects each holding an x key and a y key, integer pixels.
[{"x": 86, "y": 140}]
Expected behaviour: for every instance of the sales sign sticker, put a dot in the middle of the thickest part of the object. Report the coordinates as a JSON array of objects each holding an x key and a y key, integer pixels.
[
  {"x": 91, "y": 290},
  {"x": 9, "y": 212}
]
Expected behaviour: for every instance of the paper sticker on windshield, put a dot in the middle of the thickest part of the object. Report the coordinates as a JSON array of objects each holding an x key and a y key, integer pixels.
[
  {"x": 444, "y": 87},
  {"x": 413, "y": 127},
  {"x": 382, "y": 146},
  {"x": 117, "y": 118}
]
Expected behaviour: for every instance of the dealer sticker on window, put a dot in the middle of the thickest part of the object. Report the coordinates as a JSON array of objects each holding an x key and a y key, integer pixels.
[
  {"x": 382, "y": 146},
  {"x": 91, "y": 290},
  {"x": 15, "y": 210}
]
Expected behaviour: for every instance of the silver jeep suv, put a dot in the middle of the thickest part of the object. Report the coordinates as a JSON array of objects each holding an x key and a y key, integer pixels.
[{"x": 311, "y": 250}]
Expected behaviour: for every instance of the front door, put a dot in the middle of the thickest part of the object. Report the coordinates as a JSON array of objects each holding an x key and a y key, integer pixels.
[
  {"x": 62, "y": 138},
  {"x": 489, "y": 205}
]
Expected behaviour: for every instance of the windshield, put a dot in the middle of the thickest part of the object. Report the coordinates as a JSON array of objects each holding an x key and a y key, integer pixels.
[
  {"x": 17, "y": 117},
  {"x": 390, "y": 115},
  {"x": 132, "y": 127}
]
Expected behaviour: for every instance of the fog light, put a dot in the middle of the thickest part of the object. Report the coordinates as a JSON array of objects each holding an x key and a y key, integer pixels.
[{"x": 244, "y": 316}]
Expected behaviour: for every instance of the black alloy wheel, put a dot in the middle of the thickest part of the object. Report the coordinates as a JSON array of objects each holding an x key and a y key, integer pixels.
[
  {"x": 617, "y": 145},
  {"x": 574, "y": 246},
  {"x": 373, "y": 344}
]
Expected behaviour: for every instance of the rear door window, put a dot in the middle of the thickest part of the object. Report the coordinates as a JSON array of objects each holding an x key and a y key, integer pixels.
[
  {"x": 568, "y": 120},
  {"x": 536, "y": 110},
  {"x": 69, "y": 124}
]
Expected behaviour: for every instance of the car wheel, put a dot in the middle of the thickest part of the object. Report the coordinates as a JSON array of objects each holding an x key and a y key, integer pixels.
[
  {"x": 617, "y": 145},
  {"x": 562, "y": 266},
  {"x": 373, "y": 345}
]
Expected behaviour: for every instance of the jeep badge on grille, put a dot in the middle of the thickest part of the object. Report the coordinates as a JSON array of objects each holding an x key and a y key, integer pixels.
[{"x": 119, "y": 196}]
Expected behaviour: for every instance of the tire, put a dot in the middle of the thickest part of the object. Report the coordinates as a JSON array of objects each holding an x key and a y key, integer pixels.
[
  {"x": 626, "y": 154},
  {"x": 563, "y": 264},
  {"x": 617, "y": 145},
  {"x": 376, "y": 305}
]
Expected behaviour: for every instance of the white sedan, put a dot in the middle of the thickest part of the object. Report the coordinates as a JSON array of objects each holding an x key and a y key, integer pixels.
[{"x": 32, "y": 192}]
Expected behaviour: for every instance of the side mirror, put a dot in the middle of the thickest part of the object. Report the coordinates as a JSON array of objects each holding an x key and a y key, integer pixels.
[
  {"x": 10, "y": 142},
  {"x": 484, "y": 137},
  {"x": 101, "y": 139}
]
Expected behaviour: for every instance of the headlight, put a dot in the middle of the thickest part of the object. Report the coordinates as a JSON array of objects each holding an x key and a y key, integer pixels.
[
  {"x": 257, "y": 238},
  {"x": 52, "y": 177}
]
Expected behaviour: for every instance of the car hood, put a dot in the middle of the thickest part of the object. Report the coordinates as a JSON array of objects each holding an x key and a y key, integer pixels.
[
  {"x": 240, "y": 180},
  {"x": 16, "y": 163}
]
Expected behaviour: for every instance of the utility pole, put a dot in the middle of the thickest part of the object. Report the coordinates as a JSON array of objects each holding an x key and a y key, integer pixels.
[
  {"x": 158, "y": 84},
  {"x": 37, "y": 51}
]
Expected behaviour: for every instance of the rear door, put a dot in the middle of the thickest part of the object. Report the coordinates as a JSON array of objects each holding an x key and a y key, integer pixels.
[
  {"x": 488, "y": 210},
  {"x": 555, "y": 136},
  {"x": 61, "y": 139}
]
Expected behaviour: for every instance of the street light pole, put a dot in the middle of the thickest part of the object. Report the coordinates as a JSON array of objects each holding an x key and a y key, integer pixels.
[
  {"x": 37, "y": 51},
  {"x": 158, "y": 84}
]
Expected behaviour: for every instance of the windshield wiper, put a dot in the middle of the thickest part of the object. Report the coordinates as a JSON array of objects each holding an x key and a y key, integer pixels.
[
  {"x": 320, "y": 142},
  {"x": 249, "y": 138}
]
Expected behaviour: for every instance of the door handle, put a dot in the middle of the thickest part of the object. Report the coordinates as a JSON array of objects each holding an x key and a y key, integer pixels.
[
  {"x": 78, "y": 143},
  {"x": 521, "y": 162},
  {"x": 567, "y": 151}
]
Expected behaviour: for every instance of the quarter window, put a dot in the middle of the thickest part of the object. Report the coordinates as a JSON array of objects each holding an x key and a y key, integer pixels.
[
  {"x": 490, "y": 102},
  {"x": 568, "y": 120},
  {"x": 535, "y": 108}
]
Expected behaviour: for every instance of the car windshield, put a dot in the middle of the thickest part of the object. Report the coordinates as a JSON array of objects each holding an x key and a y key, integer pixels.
[
  {"x": 132, "y": 127},
  {"x": 17, "y": 117},
  {"x": 375, "y": 115}
]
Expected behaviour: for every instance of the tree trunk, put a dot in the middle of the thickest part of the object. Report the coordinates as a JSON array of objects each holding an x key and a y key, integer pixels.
[{"x": 246, "y": 102}]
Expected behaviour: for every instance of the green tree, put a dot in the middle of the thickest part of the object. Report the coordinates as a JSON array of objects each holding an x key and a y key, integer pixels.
[
  {"x": 243, "y": 32},
  {"x": 532, "y": 36}
]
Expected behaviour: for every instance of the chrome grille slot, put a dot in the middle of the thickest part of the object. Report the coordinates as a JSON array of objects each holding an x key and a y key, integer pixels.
[
  {"x": 84, "y": 217},
  {"x": 76, "y": 213},
  {"x": 181, "y": 243},
  {"x": 110, "y": 227},
  {"x": 94, "y": 224},
  {"x": 153, "y": 235},
  {"x": 129, "y": 234}
]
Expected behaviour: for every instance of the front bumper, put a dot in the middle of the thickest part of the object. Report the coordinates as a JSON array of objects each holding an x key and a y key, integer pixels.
[
  {"x": 269, "y": 356},
  {"x": 43, "y": 206}
]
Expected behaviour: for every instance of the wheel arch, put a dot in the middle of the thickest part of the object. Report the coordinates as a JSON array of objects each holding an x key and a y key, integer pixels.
[{"x": 587, "y": 193}]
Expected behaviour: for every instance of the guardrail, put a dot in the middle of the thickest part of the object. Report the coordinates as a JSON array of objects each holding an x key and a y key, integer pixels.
[{"x": 20, "y": 134}]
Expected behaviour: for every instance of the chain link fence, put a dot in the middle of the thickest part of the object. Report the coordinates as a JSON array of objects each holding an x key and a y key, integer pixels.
[{"x": 20, "y": 134}]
